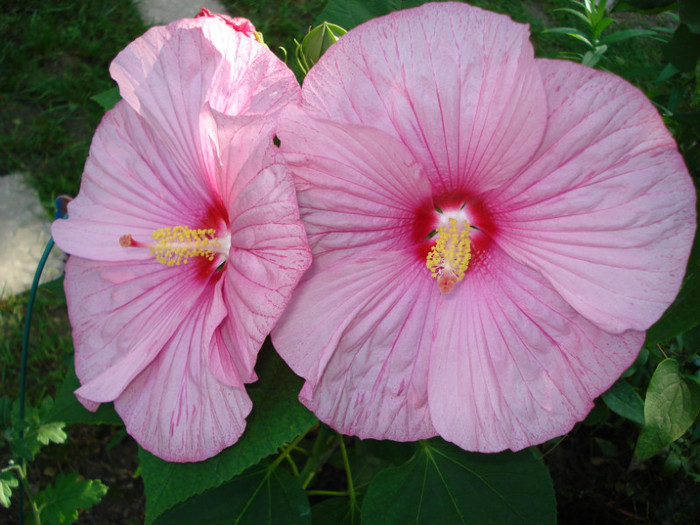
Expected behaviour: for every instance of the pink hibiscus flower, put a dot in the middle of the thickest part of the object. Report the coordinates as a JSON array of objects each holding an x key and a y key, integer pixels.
[
  {"x": 185, "y": 237},
  {"x": 492, "y": 233}
]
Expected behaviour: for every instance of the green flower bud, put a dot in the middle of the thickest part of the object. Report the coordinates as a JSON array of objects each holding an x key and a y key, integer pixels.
[{"x": 315, "y": 44}]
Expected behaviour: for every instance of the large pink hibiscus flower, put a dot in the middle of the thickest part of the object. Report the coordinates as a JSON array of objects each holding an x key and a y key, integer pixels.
[
  {"x": 185, "y": 237},
  {"x": 492, "y": 233}
]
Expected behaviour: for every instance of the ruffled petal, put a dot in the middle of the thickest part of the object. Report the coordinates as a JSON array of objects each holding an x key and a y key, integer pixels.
[
  {"x": 606, "y": 210},
  {"x": 458, "y": 85},
  {"x": 358, "y": 188},
  {"x": 123, "y": 315},
  {"x": 269, "y": 249},
  {"x": 360, "y": 334},
  {"x": 512, "y": 365},
  {"x": 167, "y": 75},
  {"x": 130, "y": 186},
  {"x": 176, "y": 408}
]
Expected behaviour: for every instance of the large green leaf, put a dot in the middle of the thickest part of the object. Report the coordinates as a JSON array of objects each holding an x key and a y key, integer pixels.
[
  {"x": 68, "y": 409},
  {"x": 670, "y": 408},
  {"x": 444, "y": 484},
  {"x": 622, "y": 399},
  {"x": 683, "y": 51},
  {"x": 261, "y": 495},
  {"x": 59, "y": 503},
  {"x": 351, "y": 13},
  {"x": 689, "y": 11},
  {"x": 277, "y": 418},
  {"x": 684, "y": 313},
  {"x": 335, "y": 511}
]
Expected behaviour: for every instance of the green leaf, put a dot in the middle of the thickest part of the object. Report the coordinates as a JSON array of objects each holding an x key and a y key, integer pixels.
[
  {"x": 444, "y": 484},
  {"x": 572, "y": 32},
  {"x": 67, "y": 408},
  {"x": 277, "y": 418},
  {"x": 51, "y": 432},
  {"x": 335, "y": 511},
  {"x": 622, "y": 399},
  {"x": 8, "y": 481},
  {"x": 689, "y": 11},
  {"x": 351, "y": 13},
  {"x": 262, "y": 494},
  {"x": 578, "y": 14},
  {"x": 60, "y": 502},
  {"x": 626, "y": 34},
  {"x": 684, "y": 313},
  {"x": 107, "y": 99},
  {"x": 670, "y": 408},
  {"x": 683, "y": 51}
]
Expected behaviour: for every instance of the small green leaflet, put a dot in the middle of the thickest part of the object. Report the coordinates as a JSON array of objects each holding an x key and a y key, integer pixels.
[
  {"x": 59, "y": 503},
  {"x": 444, "y": 484},
  {"x": 670, "y": 408},
  {"x": 262, "y": 494},
  {"x": 8, "y": 481}
]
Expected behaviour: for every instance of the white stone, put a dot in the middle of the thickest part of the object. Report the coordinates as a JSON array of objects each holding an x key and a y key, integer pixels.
[
  {"x": 24, "y": 232},
  {"x": 158, "y": 12}
]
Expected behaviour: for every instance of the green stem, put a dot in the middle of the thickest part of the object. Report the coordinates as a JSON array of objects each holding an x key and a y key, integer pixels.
[
  {"x": 346, "y": 464},
  {"x": 326, "y": 492},
  {"x": 28, "y": 489},
  {"x": 321, "y": 450}
]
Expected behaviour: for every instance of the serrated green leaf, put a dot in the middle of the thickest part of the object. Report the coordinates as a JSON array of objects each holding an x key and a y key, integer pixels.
[
  {"x": 68, "y": 409},
  {"x": 8, "y": 481},
  {"x": 107, "y": 99},
  {"x": 670, "y": 408},
  {"x": 277, "y": 418},
  {"x": 623, "y": 399},
  {"x": 51, "y": 432},
  {"x": 60, "y": 502},
  {"x": 444, "y": 484},
  {"x": 684, "y": 313},
  {"x": 259, "y": 495}
]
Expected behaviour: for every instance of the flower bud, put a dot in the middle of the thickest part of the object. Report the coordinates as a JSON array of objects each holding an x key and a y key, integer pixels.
[{"x": 316, "y": 42}]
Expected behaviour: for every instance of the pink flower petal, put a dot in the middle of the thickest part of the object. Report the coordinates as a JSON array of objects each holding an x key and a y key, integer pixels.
[
  {"x": 167, "y": 75},
  {"x": 606, "y": 208},
  {"x": 122, "y": 316},
  {"x": 269, "y": 249},
  {"x": 358, "y": 187},
  {"x": 456, "y": 84},
  {"x": 360, "y": 334},
  {"x": 512, "y": 365},
  {"x": 130, "y": 186},
  {"x": 176, "y": 408}
]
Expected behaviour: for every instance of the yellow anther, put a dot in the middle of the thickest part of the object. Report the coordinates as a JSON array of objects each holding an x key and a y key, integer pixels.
[
  {"x": 174, "y": 246},
  {"x": 449, "y": 259}
]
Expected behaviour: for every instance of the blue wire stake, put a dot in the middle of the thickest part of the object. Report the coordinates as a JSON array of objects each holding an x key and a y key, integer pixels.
[{"x": 60, "y": 209}]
